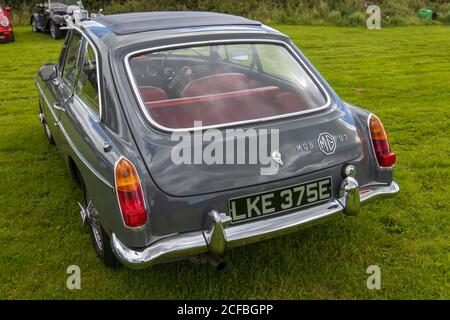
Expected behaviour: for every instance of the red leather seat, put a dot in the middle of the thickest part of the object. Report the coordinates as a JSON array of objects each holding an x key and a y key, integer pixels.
[
  {"x": 150, "y": 94},
  {"x": 217, "y": 83}
]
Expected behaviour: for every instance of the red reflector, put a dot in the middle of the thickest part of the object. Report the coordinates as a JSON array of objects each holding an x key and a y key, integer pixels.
[
  {"x": 386, "y": 160},
  {"x": 129, "y": 194}
]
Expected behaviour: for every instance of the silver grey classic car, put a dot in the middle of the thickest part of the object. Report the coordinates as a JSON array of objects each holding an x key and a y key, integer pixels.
[{"x": 190, "y": 133}]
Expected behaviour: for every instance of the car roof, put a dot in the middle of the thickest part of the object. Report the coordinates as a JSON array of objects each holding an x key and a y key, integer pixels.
[{"x": 128, "y": 23}]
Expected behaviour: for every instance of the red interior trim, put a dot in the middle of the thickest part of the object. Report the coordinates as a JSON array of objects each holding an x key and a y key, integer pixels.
[
  {"x": 211, "y": 97},
  {"x": 217, "y": 83}
]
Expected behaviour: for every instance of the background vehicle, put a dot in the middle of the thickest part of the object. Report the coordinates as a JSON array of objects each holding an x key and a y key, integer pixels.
[
  {"x": 6, "y": 28},
  {"x": 49, "y": 16}
]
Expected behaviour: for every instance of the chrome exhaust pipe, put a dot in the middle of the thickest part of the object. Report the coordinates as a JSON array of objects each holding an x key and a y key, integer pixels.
[{"x": 216, "y": 261}]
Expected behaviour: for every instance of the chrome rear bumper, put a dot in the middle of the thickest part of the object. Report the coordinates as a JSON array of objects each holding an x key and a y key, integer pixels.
[{"x": 219, "y": 236}]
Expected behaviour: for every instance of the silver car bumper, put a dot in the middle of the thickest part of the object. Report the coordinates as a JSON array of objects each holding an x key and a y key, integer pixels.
[{"x": 220, "y": 236}]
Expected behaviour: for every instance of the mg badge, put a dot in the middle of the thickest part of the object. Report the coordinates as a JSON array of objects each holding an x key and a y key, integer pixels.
[{"x": 327, "y": 143}]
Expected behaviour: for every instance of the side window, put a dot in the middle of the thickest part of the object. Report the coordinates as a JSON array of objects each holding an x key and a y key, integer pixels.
[
  {"x": 70, "y": 64},
  {"x": 269, "y": 55},
  {"x": 62, "y": 56},
  {"x": 240, "y": 54},
  {"x": 87, "y": 86}
]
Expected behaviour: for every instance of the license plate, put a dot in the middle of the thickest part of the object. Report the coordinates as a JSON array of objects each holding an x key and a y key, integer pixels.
[{"x": 280, "y": 200}]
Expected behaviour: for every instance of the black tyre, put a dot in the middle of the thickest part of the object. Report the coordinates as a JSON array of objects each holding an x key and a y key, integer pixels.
[
  {"x": 34, "y": 27},
  {"x": 55, "y": 31},
  {"x": 47, "y": 131},
  {"x": 100, "y": 239}
]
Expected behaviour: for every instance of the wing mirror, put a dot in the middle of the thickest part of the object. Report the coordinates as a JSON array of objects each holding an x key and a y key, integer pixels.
[
  {"x": 48, "y": 72},
  {"x": 8, "y": 10}
]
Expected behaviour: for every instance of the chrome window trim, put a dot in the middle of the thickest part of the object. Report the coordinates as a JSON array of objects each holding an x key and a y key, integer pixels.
[
  {"x": 278, "y": 42},
  {"x": 100, "y": 95},
  {"x": 76, "y": 92},
  {"x": 72, "y": 145},
  {"x": 61, "y": 73}
]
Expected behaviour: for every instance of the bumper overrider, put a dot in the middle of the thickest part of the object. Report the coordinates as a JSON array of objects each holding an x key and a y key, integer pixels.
[{"x": 220, "y": 235}]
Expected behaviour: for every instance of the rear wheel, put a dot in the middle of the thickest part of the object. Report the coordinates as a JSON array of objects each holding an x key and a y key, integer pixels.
[
  {"x": 55, "y": 31},
  {"x": 100, "y": 239}
]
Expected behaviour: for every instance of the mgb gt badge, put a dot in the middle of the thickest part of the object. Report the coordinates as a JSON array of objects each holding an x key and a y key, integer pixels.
[{"x": 327, "y": 143}]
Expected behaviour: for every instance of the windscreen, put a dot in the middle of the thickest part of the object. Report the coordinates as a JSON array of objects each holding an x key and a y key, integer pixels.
[{"x": 221, "y": 84}]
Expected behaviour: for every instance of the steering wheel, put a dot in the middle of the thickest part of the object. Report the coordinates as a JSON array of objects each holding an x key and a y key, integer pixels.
[{"x": 170, "y": 75}]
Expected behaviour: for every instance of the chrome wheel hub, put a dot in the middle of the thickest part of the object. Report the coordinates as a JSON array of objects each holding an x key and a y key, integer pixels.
[{"x": 92, "y": 215}]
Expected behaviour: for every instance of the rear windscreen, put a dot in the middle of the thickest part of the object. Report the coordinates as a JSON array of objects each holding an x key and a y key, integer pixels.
[{"x": 222, "y": 84}]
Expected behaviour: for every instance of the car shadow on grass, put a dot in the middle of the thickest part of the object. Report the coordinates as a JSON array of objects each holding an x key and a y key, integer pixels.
[{"x": 279, "y": 268}]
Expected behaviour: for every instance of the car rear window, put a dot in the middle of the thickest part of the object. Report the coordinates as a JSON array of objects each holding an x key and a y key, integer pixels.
[{"x": 222, "y": 84}]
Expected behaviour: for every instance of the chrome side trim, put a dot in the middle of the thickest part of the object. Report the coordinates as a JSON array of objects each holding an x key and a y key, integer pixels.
[
  {"x": 83, "y": 159},
  {"x": 72, "y": 145},
  {"x": 278, "y": 42}
]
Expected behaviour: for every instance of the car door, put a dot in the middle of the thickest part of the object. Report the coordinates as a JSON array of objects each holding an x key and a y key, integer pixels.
[
  {"x": 56, "y": 92},
  {"x": 79, "y": 122}
]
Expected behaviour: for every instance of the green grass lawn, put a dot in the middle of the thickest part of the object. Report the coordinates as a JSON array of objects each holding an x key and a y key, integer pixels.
[{"x": 401, "y": 74}]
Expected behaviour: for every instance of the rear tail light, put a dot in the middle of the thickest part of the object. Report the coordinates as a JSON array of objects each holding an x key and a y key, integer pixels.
[
  {"x": 129, "y": 194},
  {"x": 385, "y": 157}
]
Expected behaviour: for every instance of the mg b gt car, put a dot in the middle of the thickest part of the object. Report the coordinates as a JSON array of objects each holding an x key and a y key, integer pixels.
[{"x": 190, "y": 133}]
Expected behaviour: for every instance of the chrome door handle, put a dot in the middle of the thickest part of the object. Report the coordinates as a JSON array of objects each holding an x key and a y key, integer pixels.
[{"x": 59, "y": 106}]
